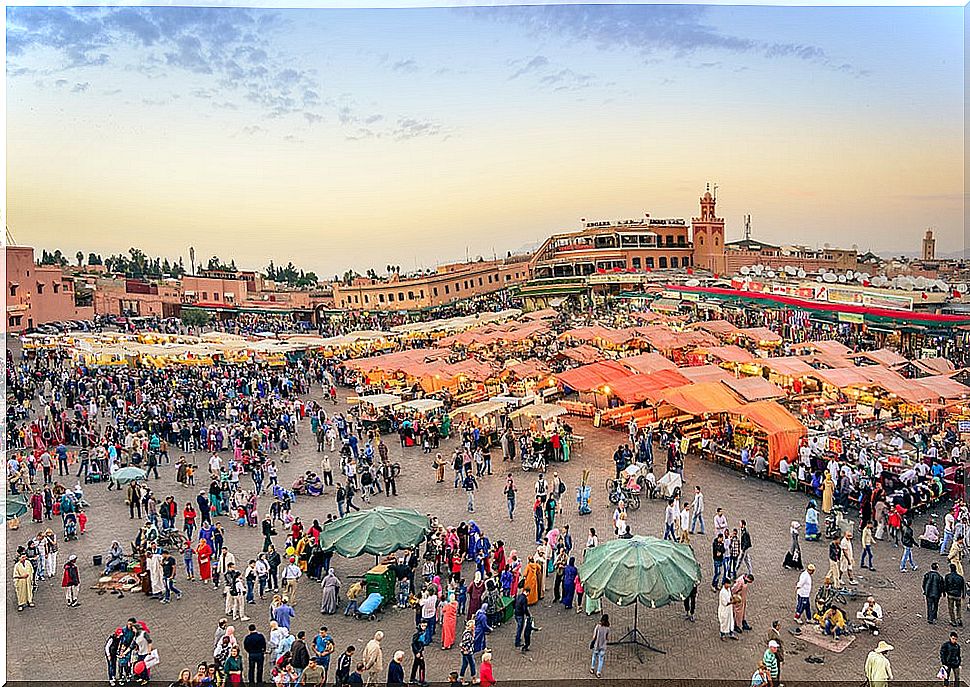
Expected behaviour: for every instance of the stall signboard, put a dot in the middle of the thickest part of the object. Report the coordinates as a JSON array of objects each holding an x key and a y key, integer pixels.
[
  {"x": 691, "y": 297},
  {"x": 844, "y": 296},
  {"x": 886, "y": 300},
  {"x": 835, "y": 445},
  {"x": 852, "y": 317},
  {"x": 963, "y": 426}
]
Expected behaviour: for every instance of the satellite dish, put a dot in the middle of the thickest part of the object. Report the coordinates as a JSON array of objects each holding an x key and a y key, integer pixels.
[
  {"x": 801, "y": 273},
  {"x": 693, "y": 282},
  {"x": 745, "y": 270},
  {"x": 770, "y": 274},
  {"x": 864, "y": 276},
  {"x": 822, "y": 270},
  {"x": 842, "y": 279},
  {"x": 829, "y": 277},
  {"x": 818, "y": 279},
  {"x": 789, "y": 269},
  {"x": 921, "y": 283},
  {"x": 850, "y": 274},
  {"x": 942, "y": 285},
  {"x": 758, "y": 269}
]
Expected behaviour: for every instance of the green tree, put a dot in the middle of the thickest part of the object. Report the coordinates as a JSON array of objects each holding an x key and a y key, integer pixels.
[{"x": 194, "y": 317}]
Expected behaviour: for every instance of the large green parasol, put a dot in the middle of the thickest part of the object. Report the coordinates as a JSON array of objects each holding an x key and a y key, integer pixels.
[
  {"x": 129, "y": 474},
  {"x": 645, "y": 569},
  {"x": 377, "y": 531},
  {"x": 16, "y": 506},
  {"x": 639, "y": 570}
]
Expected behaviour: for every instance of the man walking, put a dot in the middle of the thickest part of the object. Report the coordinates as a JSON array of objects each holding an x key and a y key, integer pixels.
[
  {"x": 470, "y": 484},
  {"x": 835, "y": 561},
  {"x": 745, "y": 540},
  {"x": 932, "y": 590},
  {"x": 168, "y": 575},
  {"x": 71, "y": 582},
  {"x": 291, "y": 575},
  {"x": 521, "y": 611},
  {"x": 803, "y": 594},
  {"x": 697, "y": 510},
  {"x": 255, "y": 646},
  {"x": 950, "y": 659},
  {"x": 955, "y": 589}
]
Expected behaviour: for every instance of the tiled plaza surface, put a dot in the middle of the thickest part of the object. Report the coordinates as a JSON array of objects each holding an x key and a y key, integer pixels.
[{"x": 43, "y": 641}]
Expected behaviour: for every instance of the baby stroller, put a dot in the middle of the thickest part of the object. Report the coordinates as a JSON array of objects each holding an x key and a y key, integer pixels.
[
  {"x": 94, "y": 474},
  {"x": 369, "y": 608},
  {"x": 70, "y": 526}
]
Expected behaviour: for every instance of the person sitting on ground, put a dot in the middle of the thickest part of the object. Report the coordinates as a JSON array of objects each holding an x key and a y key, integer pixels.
[
  {"x": 871, "y": 615},
  {"x": 833, "y": 622},
  {"x": 930, "y": 539}
]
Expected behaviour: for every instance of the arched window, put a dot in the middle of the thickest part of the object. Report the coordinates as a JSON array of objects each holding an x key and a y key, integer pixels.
[
  {"x": 717, "y": 241},
  {"x": 700, "y": 240},
  {"x": 663, "y": 262},
  {"x": 673, "y": 262}
]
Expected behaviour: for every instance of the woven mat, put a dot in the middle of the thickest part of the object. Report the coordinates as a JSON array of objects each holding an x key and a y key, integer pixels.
[{"x": 813, "y": 635}]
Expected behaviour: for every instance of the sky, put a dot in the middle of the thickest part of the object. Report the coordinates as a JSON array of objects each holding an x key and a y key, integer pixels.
[{"x": 357, "y": 138}]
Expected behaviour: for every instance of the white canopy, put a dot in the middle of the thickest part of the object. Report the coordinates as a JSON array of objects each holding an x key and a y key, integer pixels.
[
  {"x": 378, "y": 400},
  {"x": 422, "y": 405},
  {"x": 543, "y": 411},
  {"x": 480, "y": 409}
]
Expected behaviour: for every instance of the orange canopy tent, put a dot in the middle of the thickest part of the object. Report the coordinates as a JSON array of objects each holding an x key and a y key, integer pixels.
[
  {"x": 728, "y": 354},
  {"x": 594, "y": 376},
  {"x": 648, "y": 387},
  {"x": 701, "y": 399},
  {"x": 647, "y": 363},
  {"x": 584, "y": 353},
  {"x": 705, "y": 373},
  {"x": 754, "y": 388},
  {"x": 783, "y": 429}
]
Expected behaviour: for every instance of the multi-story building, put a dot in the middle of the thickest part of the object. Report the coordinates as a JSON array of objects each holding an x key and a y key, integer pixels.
[
  {"x": 447, "y": 284},
  {"x": 748, "y": 252},
  {"x": 137, "y": 297},
  {"x": 37, "y": 294}
]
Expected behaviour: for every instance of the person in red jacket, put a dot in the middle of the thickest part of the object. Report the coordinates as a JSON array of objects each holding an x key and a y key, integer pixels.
[
  {"x": 485, "y": 678},
  {"x": 71, "y": 582}
]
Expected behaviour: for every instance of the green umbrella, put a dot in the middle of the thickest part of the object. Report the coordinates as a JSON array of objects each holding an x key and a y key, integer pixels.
[
  {"x": 16, "y": 506},
  {"x": 639, "y": 570},
  {"x": 645, "y": 569},
  {"x": 377, "y": 531},
  {"x": 129, "y": 474}
]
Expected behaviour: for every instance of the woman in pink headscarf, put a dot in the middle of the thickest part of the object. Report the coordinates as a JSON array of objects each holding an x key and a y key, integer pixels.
[{"x": 515, "y": 566}]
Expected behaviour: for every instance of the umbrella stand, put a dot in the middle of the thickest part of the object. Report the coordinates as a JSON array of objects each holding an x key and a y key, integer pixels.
[{"x": 637, "y": 638}]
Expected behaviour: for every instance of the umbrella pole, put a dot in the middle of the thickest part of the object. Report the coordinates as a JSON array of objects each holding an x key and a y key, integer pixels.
[{"x": 637, "y": 638}]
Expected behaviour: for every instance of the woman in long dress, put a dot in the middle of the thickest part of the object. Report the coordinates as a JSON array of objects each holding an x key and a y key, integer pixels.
[
  {"x": 828, "y": 490},
  {"x": 204, "y": 553},
  {"x": 331, "y": 589},
  {"x": 475, "y": 592},
  {"x": 23, "y": 580},
  {"x": 725, "y": 612},
  {"x": 531, "y": 580},
  {"x": 569, "y": 575},
  {"x": 449, "y": 619},
  {"x": 793, "y": 559},
  {"x": 515, "y": 567}
]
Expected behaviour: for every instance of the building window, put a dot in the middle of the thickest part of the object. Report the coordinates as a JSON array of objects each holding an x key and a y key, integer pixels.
[
  {"x": 435, "y": 290},
  {"x": 457, "y": 287},
  {"x": 215, "y": 296},
  {"x": 681, "y": 240},
  {"x": 40, "y": 288},
  {"x": 205, "y": 296},
  {"x": 13, "y": 290},
  {"x": 366, "y": 298},
  {"x": 650, "y": 263},
  {"x": 716, "y": 241},
  {"x": 686, "y": 261},
  {"x": 410, "y": 295},
  {"x": 56, "y": 287},
  {"x": 700, "y": 240},
  {"x": 636, "y": 263},
  {"x": 381, "y": 296},
  {"x": 421, "y": 293},
  {"x": 663, "y": 261},
  {"x": 400, "y": 296},
  {"x": 15, "y": 320},
  {"x": 357, "y": 299},
  {"x": 670, "y": 239},
  {"x": 480, "y": 282},
  {"x": 447, "y": 289},
  {"x": 673, "y": 262}
]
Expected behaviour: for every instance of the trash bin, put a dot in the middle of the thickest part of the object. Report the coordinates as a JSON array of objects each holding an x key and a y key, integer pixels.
[
  {"x": 97, "y": 561},
  {"x": 381, "y": 579}
]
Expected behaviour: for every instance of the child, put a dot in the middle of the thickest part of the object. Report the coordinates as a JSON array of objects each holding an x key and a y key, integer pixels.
[
  {"x": 190, "y": 475},
  {"x": 241, "y": 517},
  {"x": 82, "y": 521},
  {"x": 462, "y": 596},
  {"x": 403, "y": 593},
  {"x": 505, "y": 580},
  {"x": 188, "y": 558}
]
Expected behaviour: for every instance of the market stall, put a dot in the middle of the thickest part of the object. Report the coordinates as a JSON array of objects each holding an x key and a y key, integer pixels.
[
  {"x": 769, "y": 426},
  {"x": 376, "y": 410}
]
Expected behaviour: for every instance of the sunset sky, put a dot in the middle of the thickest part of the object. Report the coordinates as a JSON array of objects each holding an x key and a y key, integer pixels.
[{"x": 358, "y": 138}]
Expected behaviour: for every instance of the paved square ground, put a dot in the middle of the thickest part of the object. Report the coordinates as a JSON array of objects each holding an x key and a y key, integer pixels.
[{"x": 44, "y": 640}]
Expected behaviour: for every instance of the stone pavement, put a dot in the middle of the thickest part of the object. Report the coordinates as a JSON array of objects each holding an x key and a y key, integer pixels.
[{"x": 43, "y": 640}]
